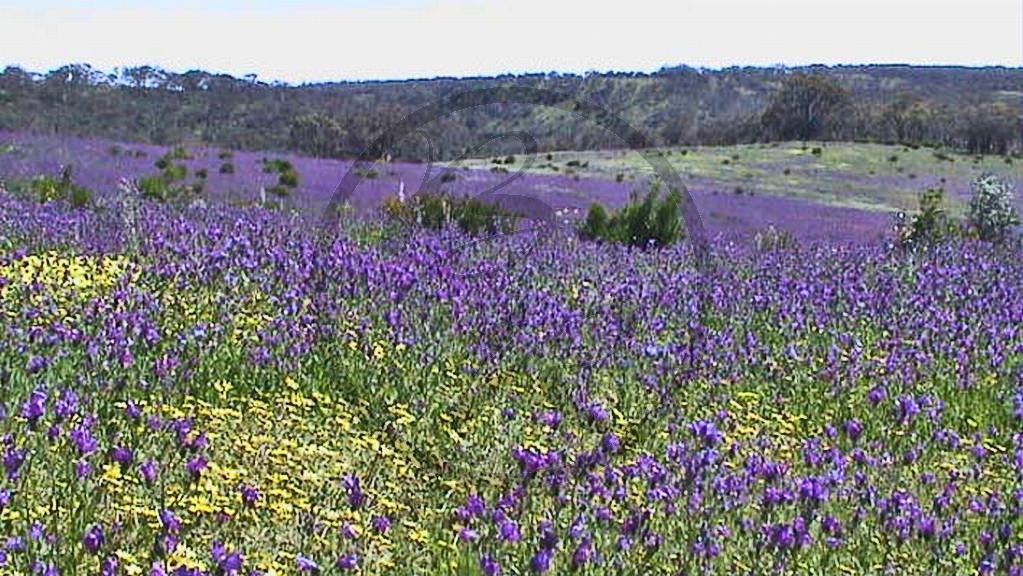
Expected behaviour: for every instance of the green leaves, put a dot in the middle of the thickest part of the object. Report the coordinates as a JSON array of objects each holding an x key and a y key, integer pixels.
[{"x": 653, "y": 222}]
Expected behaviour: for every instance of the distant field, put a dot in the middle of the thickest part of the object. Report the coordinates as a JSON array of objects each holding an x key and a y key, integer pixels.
[
  {"x": 844, "y": 193},
  {"x": 865, "y": 176}
]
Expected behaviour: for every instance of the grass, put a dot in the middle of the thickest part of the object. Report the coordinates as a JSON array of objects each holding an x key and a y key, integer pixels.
[{"x": 844, "y": 174}]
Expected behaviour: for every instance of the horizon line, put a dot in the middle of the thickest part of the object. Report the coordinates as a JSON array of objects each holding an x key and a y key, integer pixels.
[{"x": 493, "y": 76}]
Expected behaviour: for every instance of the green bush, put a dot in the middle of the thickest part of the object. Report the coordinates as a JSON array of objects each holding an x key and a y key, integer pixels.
[
  {"x": 278, "y": 165},
  {"x": 162, "y": 163},
  {"x": 227, "y": 168},
  {"x": 179, "y": 153},
  {"x": 45, "y": 189},
  {"x": 201, "y": 173},
  {"x": 930, "y": 225},
  {"x": 652, "y": 222},
  {"x": 288, "y": 178},
  {"x": 154, "y": 188},
  {"x": 225, "y": 155},
  {"x": 439, "y": 210}
]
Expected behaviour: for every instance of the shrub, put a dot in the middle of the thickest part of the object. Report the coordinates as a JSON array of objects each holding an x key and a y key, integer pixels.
[
  {"x": 154, "y": 188},
  {"x": 502, "y": 169},
  {"x": 930, "y": 225},
  {"x": 288, "y": 178},
  {"x": 277, "y": 165},
  {"x": 115, "y": 150},
  {"x": 787, "y": 171},
  {"x": 620, "y": 177},
  {"x": 439, "y": 210},
  {"x": 448, "y": 177},
  {"x": 368, "y": 174},
  {"x": 816, "y": 151},
  {"x": 893, "y": 158},
  {"x": 509, "y": 160},
  {"x": 572, "y": 164},
  {"x": 179, "y": 153},
  {"x": 652, "y": 222},
  {"x": 175, "y": 172},
  {"x": 45, "y": 189},
  {"x": 225, "y": 155},
  {"x": 992, "y": 212},
  {"x": 550, "y": 157},
  {"x": 162, "y": 163},
  {"x": 227, "y": 168},
  {"x": 201, "y": 173}
]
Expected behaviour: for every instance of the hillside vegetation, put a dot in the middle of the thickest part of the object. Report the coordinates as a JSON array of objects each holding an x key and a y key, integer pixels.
[{"x": 972, "y": 109}]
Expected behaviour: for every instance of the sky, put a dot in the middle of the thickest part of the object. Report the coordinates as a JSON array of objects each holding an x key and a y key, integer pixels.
[{"x": 314, "y": 40}]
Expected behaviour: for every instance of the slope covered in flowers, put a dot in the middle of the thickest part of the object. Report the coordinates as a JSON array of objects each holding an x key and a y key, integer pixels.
[{"x": 226, "y": 393}]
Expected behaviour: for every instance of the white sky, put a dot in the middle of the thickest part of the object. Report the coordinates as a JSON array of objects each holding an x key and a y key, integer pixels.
[{"x": 309, "y": 40}]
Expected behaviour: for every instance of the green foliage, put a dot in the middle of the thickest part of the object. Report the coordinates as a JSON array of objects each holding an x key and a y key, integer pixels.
[
  {"x": 992, "y": 212},
  {"x": 179, "y": 153},
  {"x": 652, "y": 222},
  {"x": 368, "y": 174},
  {"x": 448, "y": 177},
  {"x": 162, "y": 163},
  {"x": 807, "y": 107},
  {"x": 287, "y": 176},
  {"x": 201, "y": 173},
  {"x": 225, "y": 155},
  {"x": 169, "y": 185},
  {"x": 45, "y": 189},
  {"x": 594, "y": 227},
  {"x": 317, "y": 135},
  {"x": 509, "y": 160},
  {"x": 439, "y": 210},
  {"x": 227, "y": 168},
  {"x": 930, "y": 225}
]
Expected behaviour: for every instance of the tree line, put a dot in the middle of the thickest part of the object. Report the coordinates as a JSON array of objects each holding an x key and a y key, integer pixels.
[{"x": 979, "y": 110}]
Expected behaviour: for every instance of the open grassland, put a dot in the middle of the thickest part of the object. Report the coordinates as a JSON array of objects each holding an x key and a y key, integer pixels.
[{"x": 864, "y": 176}]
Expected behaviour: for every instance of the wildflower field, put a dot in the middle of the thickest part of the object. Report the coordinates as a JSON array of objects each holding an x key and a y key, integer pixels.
[{"x": 225, "y": 390}]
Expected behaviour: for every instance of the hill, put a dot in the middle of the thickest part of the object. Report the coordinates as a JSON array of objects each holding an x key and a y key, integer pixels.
[{"x": 974, "y": 109}]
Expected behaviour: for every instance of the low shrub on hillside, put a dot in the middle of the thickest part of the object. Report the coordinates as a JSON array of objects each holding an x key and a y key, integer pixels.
[
  {"x": 439, "y": 210},
  {"x": 650, "y": 222},
  {"x": 930, "y": 225},
  {"x": 45, "y": 189}
]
